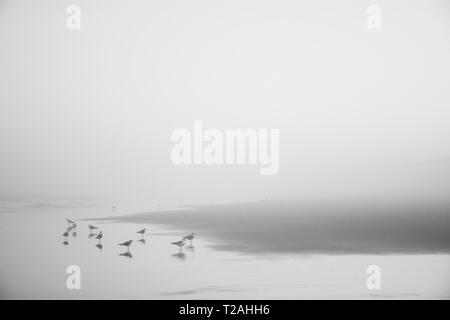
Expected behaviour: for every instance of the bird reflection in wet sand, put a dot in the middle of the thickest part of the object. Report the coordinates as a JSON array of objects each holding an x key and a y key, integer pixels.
[
  {"x": 74, "y": 234},
  {"x": 99, "y": 236},
  {"x": 142, "y": 241},
  {"x": 180, "y": 255},
  {"x": 65, "y": 242},
  {"x": 90, "y": 235},
  {"x": 126, "y": 254},
  {"x": 99, "y": 246},
  {"x": 65, "y": 234},
  {"x": 190, "y": 248}
]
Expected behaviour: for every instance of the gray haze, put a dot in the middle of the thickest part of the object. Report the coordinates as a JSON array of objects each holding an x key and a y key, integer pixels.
[{"x": 90, "y": 112}]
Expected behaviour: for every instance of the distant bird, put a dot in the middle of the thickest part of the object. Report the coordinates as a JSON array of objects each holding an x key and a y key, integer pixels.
[
  {"x": 189, "y": 237},
  {"x": 91, "y": 227},
  {"x": 66, "y": 234},
  {"x": 126, "y": 243},
  {"x": 141, "y": 232},
  {"x": 70, "y": 221},
  {"x": 99, "y": 236},
  {"x": 179, "y": 244}
]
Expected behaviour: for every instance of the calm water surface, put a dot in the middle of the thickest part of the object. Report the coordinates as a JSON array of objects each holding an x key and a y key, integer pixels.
[{"x": 35, "y": 257}]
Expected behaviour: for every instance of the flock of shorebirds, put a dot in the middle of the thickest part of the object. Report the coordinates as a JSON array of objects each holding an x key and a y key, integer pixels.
[{"x": 98, "y": 234}]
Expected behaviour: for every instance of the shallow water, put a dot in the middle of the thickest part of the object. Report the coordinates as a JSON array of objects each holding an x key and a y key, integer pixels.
[{"x": 34, "y": 262}]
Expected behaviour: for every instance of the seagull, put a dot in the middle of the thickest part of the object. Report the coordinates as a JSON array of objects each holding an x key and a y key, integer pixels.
[
  {"x": 141, "y": 232},
  {"x": 91, "y": 227},
  {"x": 99, "y": 236},
  {"x": 180, "y": 243},
  {"x": 189, "y": 237},
  {"x": 126, "y": 243}
]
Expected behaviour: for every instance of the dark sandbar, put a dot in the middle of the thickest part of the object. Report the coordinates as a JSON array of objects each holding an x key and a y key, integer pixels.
[{"x": 314, "y": 227}]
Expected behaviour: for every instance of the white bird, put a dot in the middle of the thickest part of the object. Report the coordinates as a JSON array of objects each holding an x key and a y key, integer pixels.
[
  {"x": 180, "y": 255},
  {"x": 99, "y": 236},
  {"x": 141, "y": 232},
  {"x": 126, "y": 254},
  {"x": 180, "y": 243},
  {"x": 126, "y": 243},
  {"x": 189, "y": 237}
]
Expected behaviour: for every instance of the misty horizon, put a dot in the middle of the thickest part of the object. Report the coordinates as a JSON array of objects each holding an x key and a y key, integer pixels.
[{"x": 91, "y": 112}]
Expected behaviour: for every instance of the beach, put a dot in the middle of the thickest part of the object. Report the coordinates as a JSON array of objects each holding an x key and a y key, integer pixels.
[{"x": 218, "y": 264}]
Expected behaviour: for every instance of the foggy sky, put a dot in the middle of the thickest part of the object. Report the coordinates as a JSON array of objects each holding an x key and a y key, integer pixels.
[{"x": 91, "y": 112}]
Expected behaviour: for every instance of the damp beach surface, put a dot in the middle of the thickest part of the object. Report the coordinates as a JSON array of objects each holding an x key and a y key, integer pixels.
[{"x": 256, "y": 250}]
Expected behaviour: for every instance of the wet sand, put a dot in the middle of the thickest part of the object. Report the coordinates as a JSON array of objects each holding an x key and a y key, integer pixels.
[
  {"x": 35, "y": 257},
  {"x": 325, "y": 227}
]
